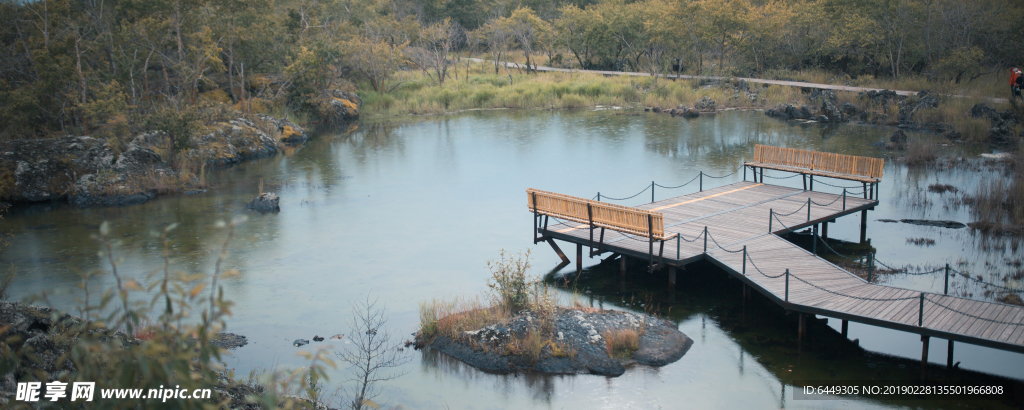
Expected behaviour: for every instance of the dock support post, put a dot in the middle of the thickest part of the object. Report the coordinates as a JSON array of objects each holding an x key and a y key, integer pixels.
[
  {"x": 652, "y": 192},
  {"x": 678, "y": 245},
  {"x": 949, "y": 355},
  {"x": 814, "y": 240},
  {"x": 811, "y": 177},
  {"x": 744, "y": 173},
  {"x": 599, "y": 198},
  {"x": 864, "y": 185},
  {"x": 945, "y": 289},
  {"x": 705, "y": 239},
  {"x": 824, "y": 231},
  {"x": 808, "y": 209},
  {"x": 672, "y": 276},
  {"x": 787, "y": 285},
  {"x": 762, "y": 175},
  {"x": 579, "y": 258},
  {"x": 845, "y": 328},
  {"x": 800, "y": 333},
  {"x": 804, "y": 177},
  {"x": 844, "y": 198},
  {"x": 565, "y": 259},
  {"x": 622, "y": 265},
  {"x": 536, "y": 216},
  {"x": 744, "y": 260},
  {"x": 920, "y": 312},
  {"x": 701, "y": 181},
  {"x": 924, "y": 354},
  {"x": 771, "y": 215},
  {"x": 863, "y": 225}
]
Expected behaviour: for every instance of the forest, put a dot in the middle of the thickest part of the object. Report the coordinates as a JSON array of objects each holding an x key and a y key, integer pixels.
[{"x": 114, "y": 67}]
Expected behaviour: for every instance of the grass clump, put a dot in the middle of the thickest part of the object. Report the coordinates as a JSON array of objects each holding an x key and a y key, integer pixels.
[{"x": 621, "y": 342}]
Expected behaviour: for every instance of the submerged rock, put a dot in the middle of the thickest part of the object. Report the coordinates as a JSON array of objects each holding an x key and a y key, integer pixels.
[
  {"x": 283, "y": 130},
  {"x": 936, "y": 223},
  {"x": 229, "y": 341},
  {"x": 300, "y": 342},
  {"x": 579, "y": 347},
  {"x": 705, "y": 104},
  {"x": 265, "y": 202}
]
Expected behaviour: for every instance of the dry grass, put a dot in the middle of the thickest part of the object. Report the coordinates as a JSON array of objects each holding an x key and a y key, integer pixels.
[
  {"x": 621, "y": 342},
  {"x": 145, "y": 330},
  {"x": 439, "y": 317},
  {"x": 942, "y": 188},
  {"x": 920, "y": 152}
]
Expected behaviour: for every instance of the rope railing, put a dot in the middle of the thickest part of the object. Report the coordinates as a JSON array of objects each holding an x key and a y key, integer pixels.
[
  {"x": 680, "y": 186},
  {"x": 722, "y": 247},
  {"x": 791, "y": 176},
  {"x": 970, "y": 315},
  {"x": 654, "y": 184},
  {"x": 851, "y": 296},
  {"x": 830, "y": 203},
  {"x": 791, "y": 213},
  {"x": 838, "y": 186}
]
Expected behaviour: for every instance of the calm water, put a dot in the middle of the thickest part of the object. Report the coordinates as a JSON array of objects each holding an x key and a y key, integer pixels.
[{"x": 412, "y": 211}]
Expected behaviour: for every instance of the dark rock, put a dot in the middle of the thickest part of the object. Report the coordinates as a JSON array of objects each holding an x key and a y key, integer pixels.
[
  {"x": 954, "y": 136},
  {"x": 983, "y": 110},
  {"x": 229, "y": 341},
  {"x": 940, "y": 224},
  {"x": 195, "y": 191},
  {"x": 337, "y": 106},
  {"x": 742, "y": 85},
  {"x": 300, "y": 342},
  {"x": 231, "y": 143},
  {"x": 318, "y": 339},
  {"x": 831, "y": 113},
  {"x": 705, "y": 104},
  {"x": 690, "y": 113},
  {"x": 848, "y": 108},
  {"x": 789, "y": 112},
  {"x": 898, "y": 137},
  {"x": 265, "y": 202}
]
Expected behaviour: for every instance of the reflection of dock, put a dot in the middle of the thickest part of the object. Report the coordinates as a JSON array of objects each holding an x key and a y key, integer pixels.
[{"x": 736, "y": 227}]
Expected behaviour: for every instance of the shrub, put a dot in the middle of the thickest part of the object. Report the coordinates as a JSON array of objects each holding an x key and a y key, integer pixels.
[{"x": 510, "y": 287}]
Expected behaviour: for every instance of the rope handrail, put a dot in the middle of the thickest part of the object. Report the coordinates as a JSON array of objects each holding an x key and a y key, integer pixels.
[
  {"x": 968, "y": 276},
  {"x": 838, "y": 186},
  {"x": 723, "y": 176},
  {"x": 833, "y": 250},
  {"x": 751, "y": 262},
  {"x": 680, "y": 186},
  {"x": 830, "y": 203},
  {"x": 623, "y": 199},
  {"x": 720, "y": 246},
  {"x": 791, "y": 176},
  {"x": 776, "y": 216},
  {"x": 851, "y": 296},
  {"x": 970, "y": 315},
  {"x": 791, "y": 213}
]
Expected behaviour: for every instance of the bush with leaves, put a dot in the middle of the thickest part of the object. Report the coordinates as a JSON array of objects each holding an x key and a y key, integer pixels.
[{"x": 510, "y": 286}]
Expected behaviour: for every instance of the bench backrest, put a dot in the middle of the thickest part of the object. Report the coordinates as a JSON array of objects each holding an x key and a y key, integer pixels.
[
  {"x": 820, "y": 161},
  {"x": 604, "y": 215}
]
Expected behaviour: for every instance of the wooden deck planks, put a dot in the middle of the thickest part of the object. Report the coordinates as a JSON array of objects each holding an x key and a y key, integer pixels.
[{"x": 737, "y": 215}]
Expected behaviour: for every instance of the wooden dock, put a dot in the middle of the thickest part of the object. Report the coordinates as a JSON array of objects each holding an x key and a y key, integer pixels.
[{"x": 737, "y": 228}]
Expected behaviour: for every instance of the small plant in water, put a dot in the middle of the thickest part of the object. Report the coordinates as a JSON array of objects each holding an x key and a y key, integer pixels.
[{"x": 509, "y": 284}]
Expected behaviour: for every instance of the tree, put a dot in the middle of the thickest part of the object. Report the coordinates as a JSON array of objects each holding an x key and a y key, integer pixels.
[{"x": 373, "y": 357}]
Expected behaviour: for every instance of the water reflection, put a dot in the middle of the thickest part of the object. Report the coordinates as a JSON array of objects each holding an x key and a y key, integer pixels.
[{"x": 412, "y": 210}]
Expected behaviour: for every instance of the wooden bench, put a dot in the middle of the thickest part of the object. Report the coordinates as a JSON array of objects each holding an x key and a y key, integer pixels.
[
  {"x": 595, "y": 214},
  {"x": 850, "y": 167}
]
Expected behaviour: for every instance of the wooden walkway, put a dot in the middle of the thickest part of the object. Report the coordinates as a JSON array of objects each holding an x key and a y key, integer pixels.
[{"x": 736, "y": 217}]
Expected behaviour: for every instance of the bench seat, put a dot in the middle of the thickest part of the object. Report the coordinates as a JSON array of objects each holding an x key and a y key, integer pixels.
[{"x": 807, "y": 171}]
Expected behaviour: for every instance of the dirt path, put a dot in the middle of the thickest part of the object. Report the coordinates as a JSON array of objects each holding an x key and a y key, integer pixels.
[{"x": 706, "y": 77}]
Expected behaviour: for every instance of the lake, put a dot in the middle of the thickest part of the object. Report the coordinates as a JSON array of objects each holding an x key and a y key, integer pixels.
[{"x": 407, "y": 211}]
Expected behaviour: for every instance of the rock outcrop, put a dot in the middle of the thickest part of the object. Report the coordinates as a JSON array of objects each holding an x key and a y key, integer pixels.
[
  {"x": 89, "y": 172},
  {"x": 1003, "y": 123},
  {"x": 578, "y": 344},
  {"x": 789, "y": 112},
  {"x": 337, "y": 106},
  {"x": 265, "y": 202}
]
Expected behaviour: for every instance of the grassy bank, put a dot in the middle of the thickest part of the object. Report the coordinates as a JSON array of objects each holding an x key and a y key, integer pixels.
[{"x": 476, "y": 86}]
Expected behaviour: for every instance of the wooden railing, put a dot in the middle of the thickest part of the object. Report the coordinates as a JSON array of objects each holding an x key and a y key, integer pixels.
[
  {"x": 601, "y": 214},
  {"x": 819, "y": 161}
]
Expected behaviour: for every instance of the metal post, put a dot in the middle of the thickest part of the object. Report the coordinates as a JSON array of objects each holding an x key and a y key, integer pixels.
[
  {"x": 945, "y": 288},
  {"x": 845, "y": 328},
  {"x": 804, "y": 178},
  {"x": 705, "y": 239},
  {"x": 744, "y": 173},
  {"x": 924, "y": 355},
  {"x": 652, "y": 192},
  {"x": 650, "y": 240},
  {"x": 762, "y": 175},
  {"x": 579, "y": 258},
  {"x": 678, "y": 244},
  {"x": 811, "y": 177},
  {"x": 590, "y": 216},
  {"x": 824, "y": 232},
  {"x": 814, "y": 239},
  {"x": 533, "y": 196},
  {"x": 771, "y": 215},
  {"x": 949, "y": 355},
  {"x": 920, "y": 312},
  {"x": 871, "y": 265},
  {"x": 844, "y": 198},
  {"x": 877, "y": 189},
  {"x": 808, "y": 209},
  {"x": 701, "y": 181},
  {"x": 744, "y": 260},
  {"x": 787, "y": 285},
  {"x": 599, "y": 197},
  {"x": 864, "y": 185},
  {"x": 863, "y": 225}
]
